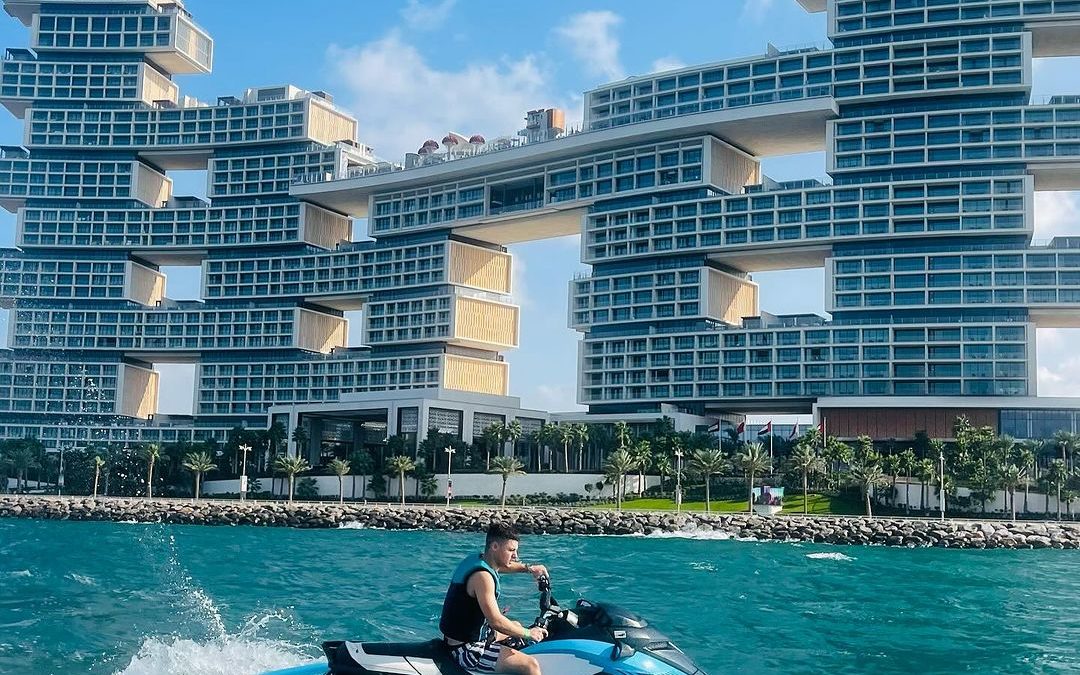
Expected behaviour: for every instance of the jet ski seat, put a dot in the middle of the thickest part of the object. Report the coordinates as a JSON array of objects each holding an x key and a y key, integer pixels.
[{"x": 386, "y": 658}]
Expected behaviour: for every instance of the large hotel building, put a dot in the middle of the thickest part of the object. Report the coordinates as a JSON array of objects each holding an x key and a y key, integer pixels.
[{"x": 934, "y": 149}]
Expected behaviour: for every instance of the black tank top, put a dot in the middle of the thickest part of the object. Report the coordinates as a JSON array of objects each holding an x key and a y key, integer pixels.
[{"x": 462, "y": 619}]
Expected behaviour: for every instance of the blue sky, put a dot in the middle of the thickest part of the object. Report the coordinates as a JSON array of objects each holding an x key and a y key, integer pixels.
[{"x": 414, "y": 70}]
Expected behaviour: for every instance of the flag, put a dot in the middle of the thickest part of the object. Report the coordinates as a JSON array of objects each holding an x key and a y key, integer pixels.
[
  {"x": 714, "y": 428},
  {"x": 794, "y": 432},
  {"x": 767, "y": 429},
  {"x": 741, "y": 428},
  {"x": 821, "y": 428}
]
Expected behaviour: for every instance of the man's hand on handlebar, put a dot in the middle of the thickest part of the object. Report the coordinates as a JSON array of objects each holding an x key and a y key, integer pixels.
[
  {"x": 538, "y": 571},
  {"x": 537, "y": 634}
]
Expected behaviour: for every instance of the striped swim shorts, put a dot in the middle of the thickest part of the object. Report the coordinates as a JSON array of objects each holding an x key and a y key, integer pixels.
[{"x": 478, "y": 656}]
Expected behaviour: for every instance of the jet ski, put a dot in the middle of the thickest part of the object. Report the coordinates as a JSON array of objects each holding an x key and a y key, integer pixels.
[{"x": 592, "y": 638}]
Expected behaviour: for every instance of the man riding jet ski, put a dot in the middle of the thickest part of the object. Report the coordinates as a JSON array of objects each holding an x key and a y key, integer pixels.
[{"x": 591, "y": 639}]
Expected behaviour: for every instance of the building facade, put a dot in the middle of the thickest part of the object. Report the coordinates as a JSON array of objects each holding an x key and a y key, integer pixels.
[{"x": 934, "y": 151}]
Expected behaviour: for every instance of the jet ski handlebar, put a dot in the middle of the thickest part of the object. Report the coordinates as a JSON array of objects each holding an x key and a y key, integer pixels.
[{"x": 549, "y": 606}]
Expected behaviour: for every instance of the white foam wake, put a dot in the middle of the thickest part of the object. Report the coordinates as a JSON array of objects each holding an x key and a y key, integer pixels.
[
  {"x": 239, "y": 656},
  {"x": 702, "y": 535},
  {"x": 832, "y": 555}
]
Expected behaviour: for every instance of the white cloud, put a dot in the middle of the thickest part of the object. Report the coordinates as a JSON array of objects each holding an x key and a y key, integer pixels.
[
  {"x": 1059, "y": 362},
  {"x": 426, "y": 15},
  {"x": 400, "y": 100},
  {"x": 666, "y": 63},
  {"x": 590, "y": 36},
  {"x": 1056, "y": 214},
  {"x": 756, "y": 10}
]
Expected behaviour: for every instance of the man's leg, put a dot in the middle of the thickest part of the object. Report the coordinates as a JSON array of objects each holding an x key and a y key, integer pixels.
[{"x": 513, "y": 661}]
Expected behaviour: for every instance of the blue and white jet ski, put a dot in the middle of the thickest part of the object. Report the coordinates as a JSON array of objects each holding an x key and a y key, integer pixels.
[{"x": 593, "y": 638}]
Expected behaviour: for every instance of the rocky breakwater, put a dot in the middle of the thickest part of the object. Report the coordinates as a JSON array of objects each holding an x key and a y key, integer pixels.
[{"x": 831, "y": 530}]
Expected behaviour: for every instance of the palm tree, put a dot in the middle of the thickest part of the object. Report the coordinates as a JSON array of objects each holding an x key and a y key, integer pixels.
[
  {"x": 290, "y": 465},
  {"x": 890, "y": 464},
  {"x": 925, "y": 472},
  {"x": 867, "y": 475},
  {"x": 641, "y": 453},
  {"x": 361, "y": 463},
  {"x": 302, "y": 440},
  {"x": 151, "y": 452},
  {"x": 1068, "y": 442},
  {"x": 581, "y": 437},
  {"x": 806, "y": 461},
  {"x": 708, "y": 462},
  {"x": 275, "y": 435},
  {"x": 99, "y": 464},
  {"x": 565, "y": 434},
  {"x": 401, "y": 465},
  {"x": 22, "y": 460},
  {"x": 1012, "y": 477},
  {"x": 1026, "y": 458},
  {"x": 198, "y": 463},
  {"x": 506, "y": 467},
  {"x": 907, "y": 465},
  {"x": 618, "y": 464},
  {"x": 340, "y": 468},
  {"x": 622, "y": 436},
  {"x": 838, "y": 454},
  {"x": 752, "y": 460},
  {"x": 491, "y": 435},
  {"x": 1056, "y": 476},
  {"x": 511, "y": 434},
  {"x": 663, "y": 466}
]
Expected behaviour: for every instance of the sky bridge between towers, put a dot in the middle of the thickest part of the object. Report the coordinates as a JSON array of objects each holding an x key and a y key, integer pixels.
[{"x": 768, "y": 129}]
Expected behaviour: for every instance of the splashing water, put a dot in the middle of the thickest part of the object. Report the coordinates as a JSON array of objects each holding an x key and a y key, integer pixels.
[
  {"x": 700, "y": 535},
  {"x": 240, "y": 654},
  {"x": 831, "y": 555},
  {"x": 82, "y": 579},
  {"x": 222, "y": 653},
  {"x": 187, "y": 657}
]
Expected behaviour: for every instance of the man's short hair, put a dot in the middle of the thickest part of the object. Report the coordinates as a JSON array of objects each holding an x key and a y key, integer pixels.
[{"x": 500, "y": 532}]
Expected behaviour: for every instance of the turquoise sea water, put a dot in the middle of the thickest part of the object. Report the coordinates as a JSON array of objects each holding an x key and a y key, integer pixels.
[{"x": 142, "y": 599}]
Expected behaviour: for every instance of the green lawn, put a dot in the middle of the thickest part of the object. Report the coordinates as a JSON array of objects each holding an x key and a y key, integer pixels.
[{"x": 793, "y": 505}]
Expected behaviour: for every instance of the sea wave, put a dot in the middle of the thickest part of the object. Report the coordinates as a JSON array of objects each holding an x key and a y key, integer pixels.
[
  {"x": 352, "y": 525},
  {"x": 82, "y": 579},
  {"x": 703, "y": 535},
  {"x": 20, "y": 573},
  {"x": 831, "y": 555}
]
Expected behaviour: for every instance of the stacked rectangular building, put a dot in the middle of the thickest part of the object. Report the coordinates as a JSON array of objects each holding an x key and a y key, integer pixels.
[
  {"x": 97, "y": 220},
  {"x": 934, "y": 150}
]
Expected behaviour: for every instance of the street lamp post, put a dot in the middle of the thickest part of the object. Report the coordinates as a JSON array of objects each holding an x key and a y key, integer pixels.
[
  {"x": 941, "y": 457},
  {"x": 678, "y": 480},
  {"x": 449, "y": 450},
  {"x": 243, "y": 471}
]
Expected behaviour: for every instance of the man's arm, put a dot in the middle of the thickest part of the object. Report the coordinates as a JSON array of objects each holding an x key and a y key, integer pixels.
[
  {"x": 536, "y": 570},
  {"x": 482, "y": 587}
]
